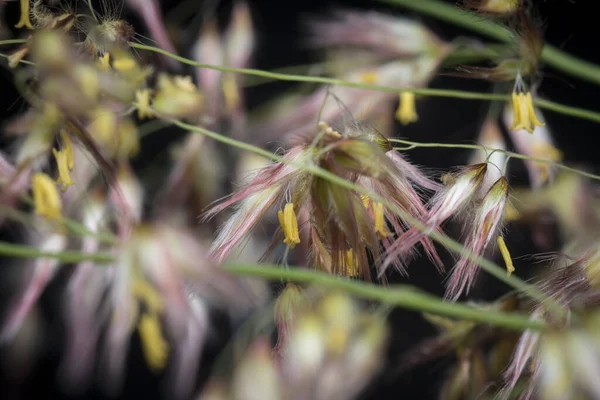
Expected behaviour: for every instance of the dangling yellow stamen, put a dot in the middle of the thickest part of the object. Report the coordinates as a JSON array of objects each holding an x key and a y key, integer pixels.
[
  {"x": 129, "y": 141},
  {"x": 525, "y": 117},
  {"x": 289, "y": 225},
  {"x": 230, "y": 92},
  {"x": 407, "y": 111},
  {"x": 24, "y": 21},
  {"x": 46, "y": 200},
  {"x": 380, "y": 226},
  {"x": 68, "y": 148},
  {"x": 142, "y": 103},
  {"x": 511, "y": 213},
  {"x": 104, "y": 61},
  {"x": 62, "y": 162},
  {"x": 500, "y": 6},
  {"x": 505, "y": 255},
  {"x": 155, "y": 347},
  {"x": 352, "y": 264},
  {"x": 124, "y": 64},
  {"x": 147, "y": 294},
  {"x": 366, "y": 200},
  {"x": 88, "y": 80}
]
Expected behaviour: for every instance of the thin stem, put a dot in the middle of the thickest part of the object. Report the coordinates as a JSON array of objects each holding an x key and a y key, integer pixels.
[
  {"x": 458, "y": 94},
  {"x": 550, "y": 55},
  {"x": 89, "y": 3},
  {"x": 510, "y": 154},
  {"x": 459, "y": 55},
  {"x": 404, "y": 296},
  {"x": 20, "y": 61},
  {"x": 401, "y": 295},
  {"x": 12, "y": 41},
  {"x": 23, "y": 251},
  {"x": 487, "y": 265}
]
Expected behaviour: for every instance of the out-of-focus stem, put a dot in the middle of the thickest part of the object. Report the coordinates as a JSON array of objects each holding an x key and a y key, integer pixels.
[
  {"x": 404, "y": 296},
  {"x": 413, "y": 145},
  {"x": 550, "y": 55},
  {"x": 458, "y": 94},
  {"x": 23, "y": 251}
]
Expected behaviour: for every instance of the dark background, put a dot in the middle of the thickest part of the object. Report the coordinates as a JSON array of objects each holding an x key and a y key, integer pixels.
[{"x": 570, "y": 25}]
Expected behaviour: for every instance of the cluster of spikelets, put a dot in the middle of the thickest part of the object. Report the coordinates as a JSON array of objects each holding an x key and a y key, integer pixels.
[
  {"x": 342, "y": 199},
  {"x": 73, "y": 153}
]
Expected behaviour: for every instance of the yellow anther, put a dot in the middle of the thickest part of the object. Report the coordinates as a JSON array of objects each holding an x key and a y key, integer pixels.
[
  {"x": 177, "y": 96},
  {"x": 337, "y": 339},
  {"x": 124, "y": 64},
  {"x": 147, "y": 294},
  {"x": 380, "y": 226},
  {"x": 155, "y": 347},
  {"x": 407, "y": 110},
  {"x": 68, "y": 148},
  {"x": 103, "y": 126},
  {"x": 505, "y": 255},
  {"x": 24, "y": 21},
  {"x": 129, "y": 141},
  {"x": 352, "y": 264},
  {"x": 500, "y": 6},
  {"x": 62, "y": 162},
  {"x": 366, "y": 200},
  {"x": 142, "y": 103},
  {"x": 230, "y": 92},
  {"x": 525, "y": 117},
  {"x": 289, "y": 225},
  {"x": 185, "y": 83},
  {"x": 511, "y": 213},
  {"x": 46, "y": 200},
  {"x": 88, "y": 80},
  {"x": 104, "y": 61},
  {"x": 369, "y": 77}
]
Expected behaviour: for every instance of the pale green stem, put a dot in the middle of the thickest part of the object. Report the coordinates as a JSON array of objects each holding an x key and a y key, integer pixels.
[
  {"x": 12, "y": 41},
  {"x": 23, "y": 251},
  {"x": 458, "y": 94},
  {"x": 460, "y": 55},
  {"x": 413, "y": 145},
  {"x": 487, "y": 265},
  {"x": 404, "y": 296},
  {"x": 400, "y": 295},
  {"x": 550, "y": 55}
]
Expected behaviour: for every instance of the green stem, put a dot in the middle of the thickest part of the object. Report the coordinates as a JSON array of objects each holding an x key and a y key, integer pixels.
[
  {"x": 458, "y": 94},
  {"x": 487, "y": 265},
  {"x": 412, "y": 145},
  {"x": 550, "y": 55},
  {"x": 459, "y": 55},
  {"x": 23, "y": 251},
  {"x": 12, "y": 41},
  {"x": 456, "y": 16},
  {"x": 404, "y": 296}
]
